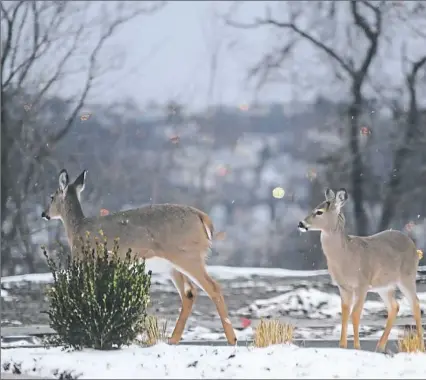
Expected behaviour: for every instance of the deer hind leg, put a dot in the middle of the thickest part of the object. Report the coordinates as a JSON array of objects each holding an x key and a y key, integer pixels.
[
  {"x": 356, "y": 315},
  {"x": 346, "y": 304},
  {"x": 188, "y": 295},
  {"x": 196, "y": 271},
  {"x": 388, "y": 297},
  {"x": 409, "y": 291}
]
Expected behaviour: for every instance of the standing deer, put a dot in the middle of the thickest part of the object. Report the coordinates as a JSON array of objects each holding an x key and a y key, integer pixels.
[
  {"x": 181, "y": 235},
  {"x": 359, "y": 264}
]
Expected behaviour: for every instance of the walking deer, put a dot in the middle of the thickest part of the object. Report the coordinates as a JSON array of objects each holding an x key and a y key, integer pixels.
[
  {"x": 379, "y": 263},
  {"x": 179, "y": 234}
]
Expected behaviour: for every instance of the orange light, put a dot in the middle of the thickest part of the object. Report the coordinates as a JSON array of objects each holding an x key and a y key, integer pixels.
[
  {"x": 175, "y": 139},
  {"x": 365, "y": 131},
  {"x": 85, "y": 116},
  {"x": 222, "y": 171},
  {"x": 104, "y": 212}
]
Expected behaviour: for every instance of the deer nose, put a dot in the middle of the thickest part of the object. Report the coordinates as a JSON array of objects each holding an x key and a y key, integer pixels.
[
  {"x": 45, "y": 216},
  {"x": 302, "y": 226}
]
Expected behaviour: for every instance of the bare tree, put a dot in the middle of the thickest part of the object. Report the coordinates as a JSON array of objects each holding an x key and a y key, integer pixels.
[
  {"x": 45, "y": 46},
  {"x": 353, "y": 66},
  {"x": 412, "y": 132}
]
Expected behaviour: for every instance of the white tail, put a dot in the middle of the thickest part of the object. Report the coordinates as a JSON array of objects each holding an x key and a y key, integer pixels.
[
  {"x": 380, "y": 262},
  {"x": 181, "y": 235}
]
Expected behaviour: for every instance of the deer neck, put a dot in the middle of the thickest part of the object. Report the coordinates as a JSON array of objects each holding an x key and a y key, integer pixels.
[
  {"x": 72, "y": 218},
  {"x": 334, "y": 241}
]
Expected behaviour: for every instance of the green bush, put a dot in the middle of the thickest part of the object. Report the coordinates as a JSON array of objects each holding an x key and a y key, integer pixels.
[{"x": 98, "y": 300}]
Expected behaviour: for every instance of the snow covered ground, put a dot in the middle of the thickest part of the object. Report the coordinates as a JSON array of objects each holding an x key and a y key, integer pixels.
[
  {"x": 315, "y": 304},
  {"x": 252, "y": 293},
  {"x": 183, "y": 362},
  {"x": 158, "y": 276}
]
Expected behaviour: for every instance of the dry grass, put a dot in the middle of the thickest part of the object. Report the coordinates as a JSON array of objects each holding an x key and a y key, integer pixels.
[
  {"x": 270, "y": 332},
  {"x": 154, "y": 332},
  {"x": 410, "y": 342}
]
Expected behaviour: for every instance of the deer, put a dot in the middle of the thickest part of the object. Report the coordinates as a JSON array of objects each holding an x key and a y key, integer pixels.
[
  {"x": 360, "y": 264},
  {"x": 180, "y": 235}
]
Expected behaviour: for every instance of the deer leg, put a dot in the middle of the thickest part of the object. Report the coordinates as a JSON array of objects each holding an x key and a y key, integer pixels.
[
  {"x": 196, "y": 271},
  {"x": 346, "y": 303},
  {"x": 392, "y": 306},
  {"x": 356, "y": 316},
  {"x": 409, "y": 291},
  {"x": 188, "y": 295}
]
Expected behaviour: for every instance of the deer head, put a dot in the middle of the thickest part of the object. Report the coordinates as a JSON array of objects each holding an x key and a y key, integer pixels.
[
  {"x": 326, "y": 215},
  {"x": 65, "y": 197}
]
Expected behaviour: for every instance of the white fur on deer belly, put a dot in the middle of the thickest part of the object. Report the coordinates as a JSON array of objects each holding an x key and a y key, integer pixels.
[{"x": 158, "y": 265}]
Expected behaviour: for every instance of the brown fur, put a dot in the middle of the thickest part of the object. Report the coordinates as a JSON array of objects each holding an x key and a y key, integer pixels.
[
  {"x": 358, "y": 264},
  {"x": 180, "y": 234}
]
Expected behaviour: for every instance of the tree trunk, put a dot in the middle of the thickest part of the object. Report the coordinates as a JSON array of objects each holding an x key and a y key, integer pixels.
[
  {"x": 361, "y": 222},
  {"x": 392, "y": 194}
]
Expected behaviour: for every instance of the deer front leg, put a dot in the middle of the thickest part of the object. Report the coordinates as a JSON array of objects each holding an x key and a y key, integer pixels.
[
  {"x": 188, "y": 295},
  {"x": 346, "y": 304}
]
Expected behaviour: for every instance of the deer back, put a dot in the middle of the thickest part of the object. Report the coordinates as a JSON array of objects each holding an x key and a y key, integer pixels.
[{"x": 156, "y": 230}]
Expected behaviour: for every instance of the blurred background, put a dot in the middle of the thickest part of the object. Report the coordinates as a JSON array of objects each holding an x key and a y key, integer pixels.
[{"x": 246, "y": 110}]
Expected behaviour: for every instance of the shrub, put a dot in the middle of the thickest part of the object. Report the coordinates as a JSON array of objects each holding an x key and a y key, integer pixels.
[
  {"x": 98, "y": 300},
  {"x": 411, "y": 342},
  {"x": 270, "y": 332}
]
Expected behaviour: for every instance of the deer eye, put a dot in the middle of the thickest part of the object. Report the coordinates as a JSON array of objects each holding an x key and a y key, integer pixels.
[{"x": 319, "y": 212}]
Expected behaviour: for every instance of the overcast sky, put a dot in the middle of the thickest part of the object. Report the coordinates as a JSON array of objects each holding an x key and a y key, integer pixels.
[{"x": 167, "y": 57}]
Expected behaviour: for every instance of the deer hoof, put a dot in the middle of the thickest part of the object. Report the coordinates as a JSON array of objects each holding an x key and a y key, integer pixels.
[{"x": 173, "y": 341}]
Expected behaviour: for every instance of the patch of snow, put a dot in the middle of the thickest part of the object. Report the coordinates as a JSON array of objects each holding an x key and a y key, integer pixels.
[
  {"x": 231, "y": 273},
  {"x": 6, "y": 296},
  {"x": 183, "y": 362},
  {"x": 44, "y": 278},
  {"x": 159, "y": 271},
  {"x": 217, "y": 271},
  {"x": 313, "y": 303},
  {"x": 9, "y": 322}
]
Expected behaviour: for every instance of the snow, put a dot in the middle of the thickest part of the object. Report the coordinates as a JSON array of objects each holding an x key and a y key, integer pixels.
[
  {"x": 231, "y": 273},
  {"x": 44, "y": 278},
  {"x": 315, "y": 304},
  {"x": 6, "y": 296},
  {"x": 183, "y": 362},
  {"x": 219, "y": 272}
]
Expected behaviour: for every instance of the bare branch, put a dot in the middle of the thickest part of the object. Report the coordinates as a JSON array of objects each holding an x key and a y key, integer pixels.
[
  {"x": 299, "y": 31},
  {"x": 10, "y": 23},
  {"x": 371, "y": 34}
]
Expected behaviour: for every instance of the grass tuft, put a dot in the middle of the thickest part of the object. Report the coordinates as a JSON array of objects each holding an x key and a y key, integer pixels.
[
  {"x": 410, "y": 342},
  {"x": 270, "y": 332},
  {"x": 154, "y": 331}
]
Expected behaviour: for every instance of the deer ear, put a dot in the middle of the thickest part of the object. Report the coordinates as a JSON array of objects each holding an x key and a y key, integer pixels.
[
  {"x": 80, "y": 181},
  {"x": 329, "y": 194},
  {"x": 341, "y": 197},
  {"x": 63, "y": 180}
]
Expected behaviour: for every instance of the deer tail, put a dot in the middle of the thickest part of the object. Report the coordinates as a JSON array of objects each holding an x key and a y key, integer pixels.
[{"x": 209, "y": 228}]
